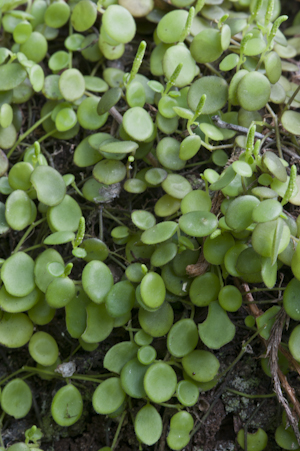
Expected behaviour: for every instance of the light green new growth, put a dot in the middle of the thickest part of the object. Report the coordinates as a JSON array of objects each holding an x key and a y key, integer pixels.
[
  {"x": 137, "y": 61},
  {"x": 269, "y": 12},
  {"x": 222, "y": 21},
  {"x": 199, "y": 6},
  {"x": 250, "y": 141},
  {"x": 291, "y": 186},
  {"x": 67, "y": 270},
  {"x": 274, "y": 30},
  {"x": 173, "y": 78},
  {"x": 242, "y": 49},
  {"x": 188, "y": 24},
  {"x": 80, "y": 233}
]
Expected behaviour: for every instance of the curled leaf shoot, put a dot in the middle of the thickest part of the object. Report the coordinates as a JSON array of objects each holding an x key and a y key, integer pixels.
[
  {"x": 33, "y": 435},
  {"x": 255, "y": 11},
  {"x": 173, "y": 78},
  {"x": 250, "y": 141},
  {"x": 274, "y": 30},
  {"x": 199, "y": 6},
  {"x": 269, "y": 12},
  {"x": 242, "y": 49},
  {"x": 80, "y": 233},
  {"x": 100, "y": 6},
  {"x": 67, "y": 270},
  {"x": 222, "y": 21},
  {"x": 188, "y": 24},
  {"x": 291, "y": 185},
  {"x": 270, "y": 38},
  {"x": 198, "y": 111},
  {"x": 215, "y": 234},
  {"x": 137, "y": 61},
  {"x": 144, "y": 269},
  {"x": 256, "y": 149}
]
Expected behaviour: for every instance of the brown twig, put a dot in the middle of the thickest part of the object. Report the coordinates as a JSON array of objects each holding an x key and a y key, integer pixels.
[
  {"x": 272, "y": 346},
  {"x": 218, "y": 121}
]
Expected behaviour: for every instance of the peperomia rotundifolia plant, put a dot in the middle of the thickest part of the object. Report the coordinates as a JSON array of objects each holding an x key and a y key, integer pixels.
[{"x": 188, "y": 241}]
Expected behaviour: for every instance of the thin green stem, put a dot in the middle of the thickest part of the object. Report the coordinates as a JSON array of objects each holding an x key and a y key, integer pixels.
[
  {"x": 28, "y": 231},
  {"x": 86, "y": 378},
  {"x": 101, "y": 223},
  {"x": 240, "y": 355},
  {"x": 110, "y": 216},
  {"x": 114, "y": 443},
  {"x": 192, "y": 165},
  {"x": 246, "y": 395},
  {"x": 117, "y": 261},
  {"x": 2, "y": 381},
  {"x": 94, "y": 71},
  {"x": 31, "y": 248},
  {"x": 30, "y": 130},
  {"x": 1, "y": 424},
  {"x": 213, "y": 70},
  {"x": 171, "y": 406},
  {"x": 291, "y": 99},
  {"x": 277, "y": 132}
]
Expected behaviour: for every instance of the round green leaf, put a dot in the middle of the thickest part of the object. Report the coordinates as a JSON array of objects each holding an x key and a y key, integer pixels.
[
  {"x": 217, "y": 330},
  {"x": 43, "y": 348},
  {"x": 109, "y": 172},
  {"x": 16, "y": 398},
  {"x": 215, "y": 89},
  {"x": 18, "y": 267},
  {"x": 67, "y": 405},
  {"x": 182, "y": 338},
  {"x": 205, "y": 289},
  {"x": 119, "y": 355},
  {"x": 157, "y": 323},
  {"x": 35, "y": 47},
  {"x": 239, "y": 213},
  {"x": 60, "y": 292},
  {"x": 198, "y": 223},
  {"x": 153, "y": 290},
  {"x": 201, "y": 366},
  {"x": 291, "y": 121},
  {"x": 11, "y": 76},
  {"x": 148, "y": 425},
  {"x": 58, "y": 61},
  {"x": 108, "y": 396},
  {"x": 138, "y": 123},
  {"x": 97, "y": 280},
  {"x": 253, "y": 91},
  {"x": 87, "y": 114},
  {"x": 15, "y": 330},
  {"x": 119, "y": 23},
  {"x": 49, "y": 185},
  {"x": 159, "y": 233},
  {"x": 71, "y": 84},
  {"x": 99, "y": 324},
  {"x": 167, "y": 152},
  {"x": 15, "y": 304},
  {"x": 290, "y": 299},
  {"x": 132, "y": 376},
  {"x": 160, "y": 382},
  {"x": 83, "y": 15},
  {"x": 42, "y": 276},
  {"x": 57, "y": 14},
  {"x": 64, "y": 216},
  {"x": 171, "y": 26},
  {"x": 187, "y": 393},
  {"x": 206, "y": 46},
  {"x": 20, "y": 210}
]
